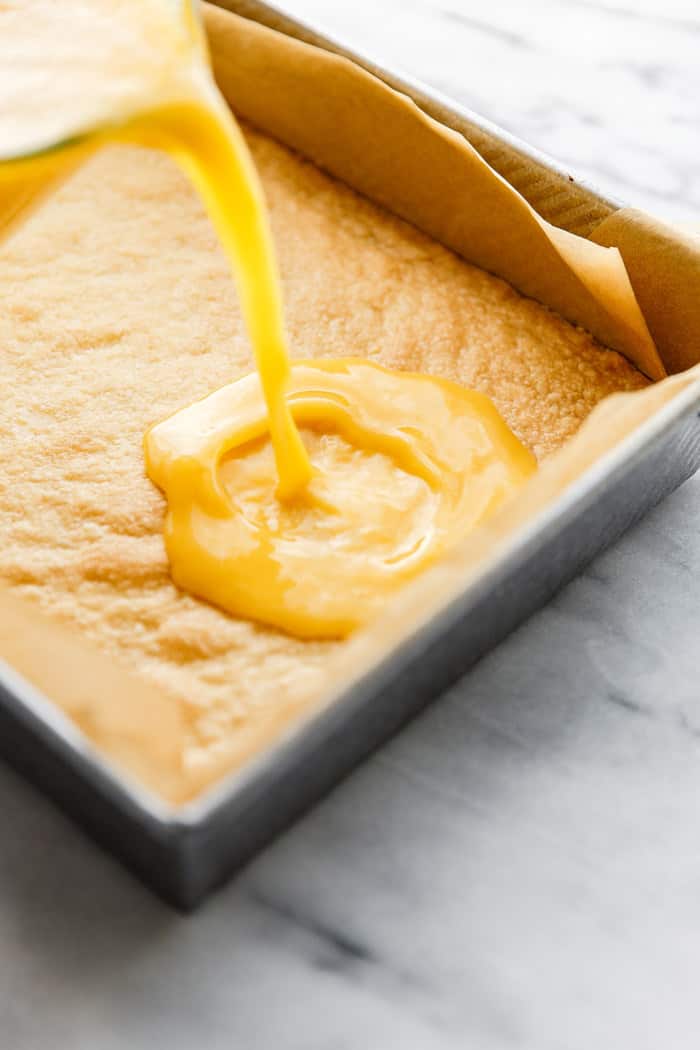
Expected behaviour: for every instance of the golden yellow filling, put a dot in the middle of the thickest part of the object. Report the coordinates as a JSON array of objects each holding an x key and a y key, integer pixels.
[{"x": 403, "y": 465}]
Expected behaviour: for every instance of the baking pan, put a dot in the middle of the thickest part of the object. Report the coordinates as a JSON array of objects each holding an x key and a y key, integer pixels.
[{"x": 185, "y": 852}]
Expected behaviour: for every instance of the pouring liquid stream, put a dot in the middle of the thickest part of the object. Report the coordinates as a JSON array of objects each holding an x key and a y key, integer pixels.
[{"x": 404, "y": 465}]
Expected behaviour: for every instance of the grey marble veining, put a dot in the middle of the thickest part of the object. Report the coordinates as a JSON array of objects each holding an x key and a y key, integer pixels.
[
  {"x": 521, "y": 867},
  {"x": 611, "y": 89}
]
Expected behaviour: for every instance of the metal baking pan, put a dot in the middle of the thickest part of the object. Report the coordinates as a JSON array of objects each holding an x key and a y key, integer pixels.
[{"x": 183, "y": 853}]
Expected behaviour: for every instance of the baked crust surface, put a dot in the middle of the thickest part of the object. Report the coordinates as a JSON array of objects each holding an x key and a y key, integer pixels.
[{"x": 118, "y": 309}]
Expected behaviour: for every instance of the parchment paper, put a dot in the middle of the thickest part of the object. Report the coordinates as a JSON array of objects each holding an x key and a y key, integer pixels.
[
  {"x": 140, "y": 728},
  {"x": 379, "y": 142},
  {"x": 664, "y": 265}
]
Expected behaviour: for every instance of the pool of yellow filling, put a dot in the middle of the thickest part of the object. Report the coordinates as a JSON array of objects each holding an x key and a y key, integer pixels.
[{"x": 403, "y": 466}]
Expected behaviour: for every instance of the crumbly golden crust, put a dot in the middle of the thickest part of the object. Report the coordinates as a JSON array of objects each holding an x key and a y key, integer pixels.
[{"x": 118, "y": 309}]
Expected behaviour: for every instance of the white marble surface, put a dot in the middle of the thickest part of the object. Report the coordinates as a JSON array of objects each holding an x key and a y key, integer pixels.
[{"x": 520, "y": 869}]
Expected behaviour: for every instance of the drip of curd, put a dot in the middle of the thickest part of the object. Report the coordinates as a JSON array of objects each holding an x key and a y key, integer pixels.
[{"x": 302, "y": 495}]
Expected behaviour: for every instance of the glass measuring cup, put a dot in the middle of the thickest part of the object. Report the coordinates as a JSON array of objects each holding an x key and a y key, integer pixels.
[{"x": 77, "y": 73}]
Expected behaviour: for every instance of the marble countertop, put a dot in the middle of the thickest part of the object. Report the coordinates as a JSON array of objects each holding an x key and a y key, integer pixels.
[{"x": 520, "y": 868}]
